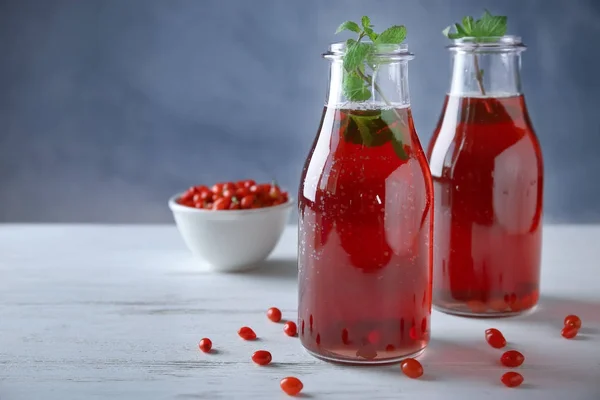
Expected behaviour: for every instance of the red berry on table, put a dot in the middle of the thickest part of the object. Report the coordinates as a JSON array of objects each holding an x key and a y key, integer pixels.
[
  {"x": 512, "y": 358},
  {"x": 246, "y": 333},
  {"x": 205, "y": 345},
  {"x": 290, "y": 328},
  {"x": 261, "y": 357},
  {"x": 291, "y": 385},
  {"x": 573, "y": 321},
  {"x": 492, "y": 331},
  {"x": 274, "y": 314},
  {"x": 411, "y": 368},
  {"x": 495, "y": 338},
  {"x": 512, "y": 379},
  {"x": 569, "y": 332}
]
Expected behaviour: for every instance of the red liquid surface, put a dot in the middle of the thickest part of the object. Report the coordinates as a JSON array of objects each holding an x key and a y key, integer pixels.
[
  {"x": 365, "y": 232},
  {"x": 487, "y": 173}
]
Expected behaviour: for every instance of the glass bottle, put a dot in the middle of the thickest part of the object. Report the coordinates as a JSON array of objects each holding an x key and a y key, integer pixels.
[
  {"x": 487, "y": 171},
  {"x": 365, "y": 221}
]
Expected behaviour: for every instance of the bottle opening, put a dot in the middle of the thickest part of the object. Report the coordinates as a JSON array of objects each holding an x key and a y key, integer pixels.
[
  {"x": 389, "y": 51},
  {"x": 488, "y": 44}
]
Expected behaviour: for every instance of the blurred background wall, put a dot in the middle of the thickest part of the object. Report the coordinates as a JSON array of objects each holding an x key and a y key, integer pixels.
[{"x": 107, "y": 107}]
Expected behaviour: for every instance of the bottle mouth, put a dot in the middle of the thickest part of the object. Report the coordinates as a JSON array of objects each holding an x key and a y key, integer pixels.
[
  {"x": 488, "y": 44},
  {"x": 392, "y": 52}
]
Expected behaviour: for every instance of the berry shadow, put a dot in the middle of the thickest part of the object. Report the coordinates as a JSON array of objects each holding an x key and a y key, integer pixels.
[
  {"x": 581, "y": 338},
  {"x": 272, "y": 365},
  {"x": 526, "y": 386},
  {"x": 446, "y": 360}
]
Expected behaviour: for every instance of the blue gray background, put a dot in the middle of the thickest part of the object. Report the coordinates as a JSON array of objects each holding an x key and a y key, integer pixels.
[{"x": 108, "y": 107}]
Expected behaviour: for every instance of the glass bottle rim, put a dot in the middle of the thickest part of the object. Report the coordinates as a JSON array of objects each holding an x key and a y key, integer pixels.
[
  {"x": 504, "y": 43},
  {"x": 391, "y": 52}
]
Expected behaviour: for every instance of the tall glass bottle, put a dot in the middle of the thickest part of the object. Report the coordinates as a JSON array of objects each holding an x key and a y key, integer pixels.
[
  {"x": 365, "y": 221},
  {"x": 487, "y": 173}
]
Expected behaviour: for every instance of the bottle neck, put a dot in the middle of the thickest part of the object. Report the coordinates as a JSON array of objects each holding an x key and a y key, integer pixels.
[
  {"x": 489, "y": 74},
  {"x": 387, "y": 84}
]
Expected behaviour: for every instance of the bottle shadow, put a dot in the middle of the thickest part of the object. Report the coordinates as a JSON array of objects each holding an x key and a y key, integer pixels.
[
  {"x": 552, "y": 310},
  {"x": 447, "y": 360},
  {"x": 274, "y": 269},
  {"x": 477, "y": 363},
  {"x": 271, "y": 269}
]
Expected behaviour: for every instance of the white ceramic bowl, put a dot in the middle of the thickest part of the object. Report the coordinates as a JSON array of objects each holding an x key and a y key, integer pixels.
[{"x": 230, "y": 240}]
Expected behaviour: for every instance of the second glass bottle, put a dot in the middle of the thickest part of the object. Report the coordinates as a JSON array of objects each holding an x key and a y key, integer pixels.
[{"x": 487, "y": 172}]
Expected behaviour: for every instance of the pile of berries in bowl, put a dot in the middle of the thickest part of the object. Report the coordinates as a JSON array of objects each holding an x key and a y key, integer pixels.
[
  {"x": 242, "y": 195},
  {"x": 231, "y": 226}
]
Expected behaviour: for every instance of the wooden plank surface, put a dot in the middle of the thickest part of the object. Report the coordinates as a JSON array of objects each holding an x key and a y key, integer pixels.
[{"x": 96, "y": 312}]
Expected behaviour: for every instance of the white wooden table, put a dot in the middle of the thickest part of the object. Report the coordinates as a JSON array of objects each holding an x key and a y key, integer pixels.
[{"x": 98, "y": 312}]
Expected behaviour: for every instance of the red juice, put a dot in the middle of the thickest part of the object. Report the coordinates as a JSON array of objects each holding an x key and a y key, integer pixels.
[
  {"x": 487, "y": 173},
  {"x": 365, "y": 230}
]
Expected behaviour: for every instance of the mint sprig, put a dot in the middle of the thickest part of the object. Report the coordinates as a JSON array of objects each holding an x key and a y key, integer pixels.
[
  {"x": 360, "y": 64},
  {"x": 486, "y": 29},
  {"x": 359, "y": 55}
]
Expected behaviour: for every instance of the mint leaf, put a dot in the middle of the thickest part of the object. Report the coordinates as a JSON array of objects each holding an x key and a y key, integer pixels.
[
  {"x": 393, "y": 35},
  {"x": 490, "y": 26},
  {"x": 366, "y": 22},
  {"x": 363, "y": 128},
  {"x": 350, "y": 135},
  {"x": 354, "y": 87},
  {"x": 497, "y": 26},
  {"x": 485, "y": 27},
  {"x": 372, "y": 35},
  {"x": 399, "y": 149},
  {"x": 356, "y": 53},
  {"x": 461, "y": 31},
  {"x": 348, "y": 26},
  {"x": 468, "y": 24},
  {"x": 368, "y": 28},
  {"x": 446, "y": 32}
]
